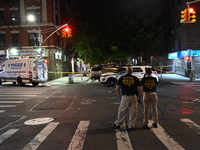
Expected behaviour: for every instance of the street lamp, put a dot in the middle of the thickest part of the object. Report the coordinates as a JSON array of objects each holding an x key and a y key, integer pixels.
[{"x": 32, "y": 18}]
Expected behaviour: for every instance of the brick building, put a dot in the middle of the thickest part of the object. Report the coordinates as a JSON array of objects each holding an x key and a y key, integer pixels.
[{"x": 22, "y": 37}]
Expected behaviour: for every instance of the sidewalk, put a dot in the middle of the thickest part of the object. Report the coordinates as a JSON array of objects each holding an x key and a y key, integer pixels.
[
  {"x": 175, "y": 78},
  {"x": 78, "y": 78}
]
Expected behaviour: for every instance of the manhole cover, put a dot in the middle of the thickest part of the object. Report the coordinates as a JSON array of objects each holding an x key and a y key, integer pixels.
[{"x": 38, "y": 121}]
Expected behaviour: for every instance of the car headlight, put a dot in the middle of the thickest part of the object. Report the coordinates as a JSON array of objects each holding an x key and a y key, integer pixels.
[{"x": 104, "y": 76}]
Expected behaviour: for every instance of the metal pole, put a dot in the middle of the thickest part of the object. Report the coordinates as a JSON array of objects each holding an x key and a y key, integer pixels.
[
  {"x": 40, "y": 35},
  {"x": 188, "y": 3},
  {"x": 162, "y": 114},
  {"x": 54, "y": 32}
]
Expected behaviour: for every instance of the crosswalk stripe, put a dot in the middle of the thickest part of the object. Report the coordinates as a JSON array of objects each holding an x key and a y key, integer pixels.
[
  {"x": 35, "y": 143},
  {"x": 16, "y": 98},
  {"x": 7, "y": 134},
  {"x": 123, "y": 140},
  {"x": 16, "y": 95},
  {"x": 191, "y": 124},
  {"x": 79, "y": 136},
  {"x": 170, "y": 143},
  {"x": 1, "y": 111},
  {"x": 11, "y": 102},
  {"x": 7, "y": 106}
]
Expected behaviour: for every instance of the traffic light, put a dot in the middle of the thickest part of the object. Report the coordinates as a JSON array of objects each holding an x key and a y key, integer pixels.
[
  {"x": 66, "y": 32},
  {"x": 183, "y": 16},
  {"x": 191, "y": 15}
]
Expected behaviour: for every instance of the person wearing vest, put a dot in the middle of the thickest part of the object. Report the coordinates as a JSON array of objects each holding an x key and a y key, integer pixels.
[
  {"x": 126, "y": 89},
  {"x": 150, "y": 98}
]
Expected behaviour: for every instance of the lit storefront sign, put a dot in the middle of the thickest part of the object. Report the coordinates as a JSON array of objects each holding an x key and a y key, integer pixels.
[
  {"x": 173, "y": 55},
  {"x": 182, "y": 54},
  {"x": 17, "y": 53}
]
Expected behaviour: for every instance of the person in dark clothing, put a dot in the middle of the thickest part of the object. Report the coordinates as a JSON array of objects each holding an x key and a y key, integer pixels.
[
  {"x": 127, "y": 87},
  {"x": 150, "y": 98}
]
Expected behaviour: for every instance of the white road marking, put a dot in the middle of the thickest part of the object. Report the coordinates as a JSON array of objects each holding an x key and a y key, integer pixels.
[
  {"x": 123, "y": 140},
  {"x": 18, "y": 102},
  {"x": 35, "y": 143},
  {"x": 169, "y": 142},
  {"x": 16, "y": 98},
  {"x": 22, "y": 93},
  {"x": 191, "y": 124},
  {"x": 79, "y": 136},
  {"x": 1, "y": 111},
  {"x": 42, "y": 101},
  {"x": 7, "y": 106},
  {"x": 16, "y": 95},
  {"x": 7, "y": 134}
]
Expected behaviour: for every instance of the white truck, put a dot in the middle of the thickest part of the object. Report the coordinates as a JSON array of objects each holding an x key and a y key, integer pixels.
[{"x": 24, "y": 70}]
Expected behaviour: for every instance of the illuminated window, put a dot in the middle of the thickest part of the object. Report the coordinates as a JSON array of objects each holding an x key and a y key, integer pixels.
[{"x": 15, "y": 17}]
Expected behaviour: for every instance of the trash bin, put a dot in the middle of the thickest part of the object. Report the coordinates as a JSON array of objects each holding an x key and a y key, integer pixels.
[{"x": 71, "y": 78}]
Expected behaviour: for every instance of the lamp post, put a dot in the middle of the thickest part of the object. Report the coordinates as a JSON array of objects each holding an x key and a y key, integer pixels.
[{"x": 32, "y": 18}]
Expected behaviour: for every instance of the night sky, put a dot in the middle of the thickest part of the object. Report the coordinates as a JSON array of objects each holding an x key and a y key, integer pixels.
[{"x": 105, "y": 8}]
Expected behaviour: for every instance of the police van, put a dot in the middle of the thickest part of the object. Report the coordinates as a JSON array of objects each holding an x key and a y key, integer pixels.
[{"x": 24, "y": 70}]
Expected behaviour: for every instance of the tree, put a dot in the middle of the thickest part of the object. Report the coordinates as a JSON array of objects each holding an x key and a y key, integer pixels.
[{"x": 134, "y": 31}]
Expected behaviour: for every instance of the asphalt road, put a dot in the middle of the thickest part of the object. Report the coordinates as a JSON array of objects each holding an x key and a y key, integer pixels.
[{"x": 79, "y": 116}]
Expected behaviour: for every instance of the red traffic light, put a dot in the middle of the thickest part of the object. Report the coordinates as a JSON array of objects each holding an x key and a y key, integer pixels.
[
  {"x": 190, "y": 10},
  {"x": 187, "y": 58},
  {"x": 66, "y": 32},
  {"x": 66, "y": 29}
]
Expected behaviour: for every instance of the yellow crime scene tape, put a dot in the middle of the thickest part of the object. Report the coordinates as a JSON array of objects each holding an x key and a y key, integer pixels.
[{"x": 163, "y": 69}]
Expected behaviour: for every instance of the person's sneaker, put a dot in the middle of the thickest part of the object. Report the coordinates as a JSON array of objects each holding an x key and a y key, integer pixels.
[
  {"x": 155, "y": 125},
  {"x": 116, "y": 127},
  {"x": 145, "y": 126}
]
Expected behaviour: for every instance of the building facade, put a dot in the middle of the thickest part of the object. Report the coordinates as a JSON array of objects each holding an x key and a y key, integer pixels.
[
  {"x": 20, "y": 36},
  {"x": 180, "y": 40}
]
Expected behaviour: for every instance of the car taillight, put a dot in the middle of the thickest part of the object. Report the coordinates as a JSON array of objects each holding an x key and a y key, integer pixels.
[{"x": 30, "y": 74}]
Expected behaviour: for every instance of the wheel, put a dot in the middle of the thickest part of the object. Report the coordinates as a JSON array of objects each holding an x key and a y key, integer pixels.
[
  {"x": 112, "y": 82},
  {"x": 19, "y": 82},
  {"x": 35, "y": 83}
]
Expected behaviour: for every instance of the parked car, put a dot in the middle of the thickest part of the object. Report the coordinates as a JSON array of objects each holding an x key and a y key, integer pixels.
[
  {"x": 138, "y": 71},
  {"x": 95, "y": 72}
]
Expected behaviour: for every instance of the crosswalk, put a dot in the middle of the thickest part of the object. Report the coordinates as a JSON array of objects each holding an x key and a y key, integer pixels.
[
  {"x": 123, "y": 141},
  {"x": 15, "y": 97}
]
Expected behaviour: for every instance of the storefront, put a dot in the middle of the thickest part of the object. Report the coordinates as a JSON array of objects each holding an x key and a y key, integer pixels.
[{"x": 185, "y": 62}]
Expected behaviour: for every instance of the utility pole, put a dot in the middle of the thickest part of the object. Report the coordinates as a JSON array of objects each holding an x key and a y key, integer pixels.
[{"x": 188, "y": 3}]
